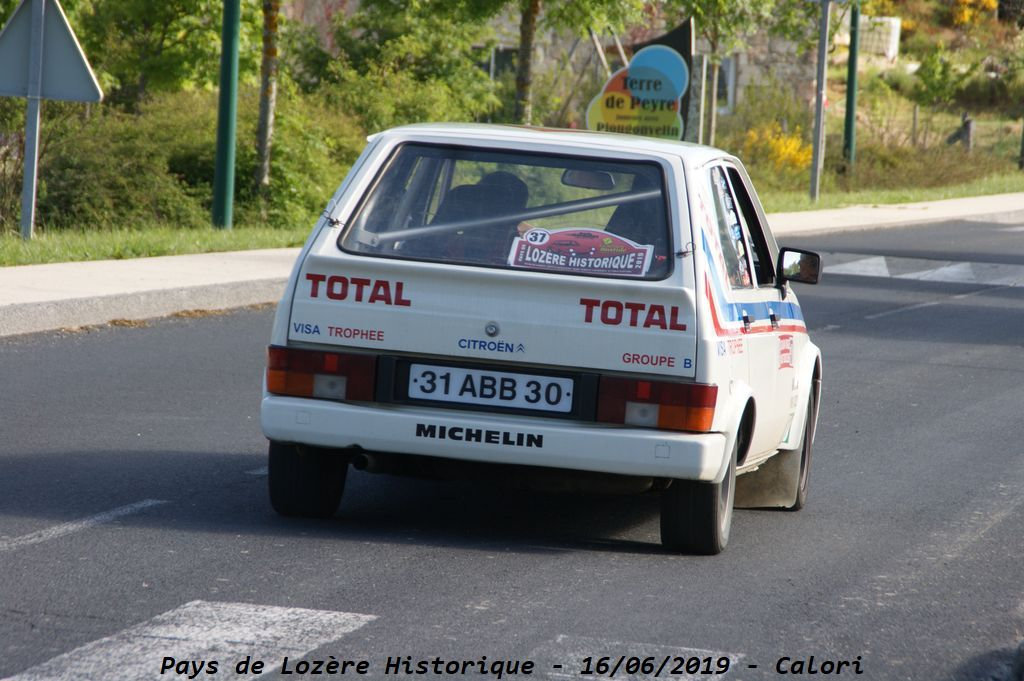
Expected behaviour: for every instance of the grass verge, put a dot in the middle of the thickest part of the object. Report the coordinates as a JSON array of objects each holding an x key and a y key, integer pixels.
[
  {"x": 777, "y": 201},
  {"x": 117, "y": 244}
]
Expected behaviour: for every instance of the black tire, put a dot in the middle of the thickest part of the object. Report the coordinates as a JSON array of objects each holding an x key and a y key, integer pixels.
[
  {"x": 305, "y": 481},
  {"x": 805, "y": 458},
  {"x": 696, "y": 517}
]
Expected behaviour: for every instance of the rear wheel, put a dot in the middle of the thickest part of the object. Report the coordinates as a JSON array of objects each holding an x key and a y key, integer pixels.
[
  {"x": 696, "y": 517},
  {"x": 805, "y": 458},
  {"x": 305, "y": 481}
]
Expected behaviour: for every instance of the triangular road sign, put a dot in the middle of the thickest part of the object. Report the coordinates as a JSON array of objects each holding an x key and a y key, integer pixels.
[{"x": 66, "y": 72}]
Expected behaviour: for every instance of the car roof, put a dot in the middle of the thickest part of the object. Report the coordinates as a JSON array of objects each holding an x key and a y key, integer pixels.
[{"x": 696, "y": 154}]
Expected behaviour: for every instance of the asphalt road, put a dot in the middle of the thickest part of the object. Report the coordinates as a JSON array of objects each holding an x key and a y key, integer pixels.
[{"x": 134, "y": 523}]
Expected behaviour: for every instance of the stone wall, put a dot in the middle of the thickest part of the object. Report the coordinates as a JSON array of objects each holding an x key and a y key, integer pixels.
[{"x": 771, "y": 59}]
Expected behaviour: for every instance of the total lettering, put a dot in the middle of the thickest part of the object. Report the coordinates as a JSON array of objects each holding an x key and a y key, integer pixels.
[
  {"x": 361, "y": 290},
  {"x": 614, "y": 313}
]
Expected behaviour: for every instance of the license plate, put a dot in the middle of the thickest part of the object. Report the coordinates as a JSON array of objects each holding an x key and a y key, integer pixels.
[{"x": 490, "y": 388}]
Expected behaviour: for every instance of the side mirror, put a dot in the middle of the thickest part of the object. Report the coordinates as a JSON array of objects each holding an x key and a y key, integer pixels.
[{"x": 798, "y": 265}]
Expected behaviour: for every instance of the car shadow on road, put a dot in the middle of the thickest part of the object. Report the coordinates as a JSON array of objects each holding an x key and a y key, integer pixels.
[
  {"x": 996, "y": 665},
  {"x": 227, "y": 493}
]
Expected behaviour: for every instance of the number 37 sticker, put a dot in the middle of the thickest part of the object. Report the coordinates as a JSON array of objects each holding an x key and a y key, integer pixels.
[{"x": 537, "y": 237}]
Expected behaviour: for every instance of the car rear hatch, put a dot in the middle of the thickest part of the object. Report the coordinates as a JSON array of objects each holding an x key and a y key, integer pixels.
[
  {"x": 508, "y": 279},
  {"x": 494, "y": 316}
]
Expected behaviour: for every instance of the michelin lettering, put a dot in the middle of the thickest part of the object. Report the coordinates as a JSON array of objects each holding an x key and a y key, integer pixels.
[{"x": 491, "y": 437}]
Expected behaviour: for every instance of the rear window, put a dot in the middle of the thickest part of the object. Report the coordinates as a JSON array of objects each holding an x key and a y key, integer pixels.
[{"x": 516, "y": 210}]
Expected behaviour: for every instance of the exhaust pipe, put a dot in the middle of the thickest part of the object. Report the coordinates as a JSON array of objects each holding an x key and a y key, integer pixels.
[{"x": 372, "y": 463}]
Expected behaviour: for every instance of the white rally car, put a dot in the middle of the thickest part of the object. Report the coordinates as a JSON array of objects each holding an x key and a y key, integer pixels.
[{"x": 589, "y": 305}]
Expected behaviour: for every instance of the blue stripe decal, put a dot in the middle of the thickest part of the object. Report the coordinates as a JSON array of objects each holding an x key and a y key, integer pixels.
[{"x": 733, "y": 312}]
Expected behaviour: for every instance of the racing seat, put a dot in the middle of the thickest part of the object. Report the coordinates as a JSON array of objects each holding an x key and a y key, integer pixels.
[
  {"x": 495, "y": 194},
  {"x": 643, "y": 222}
]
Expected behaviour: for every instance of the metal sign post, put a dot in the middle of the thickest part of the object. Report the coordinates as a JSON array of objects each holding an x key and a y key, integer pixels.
[
  {"x": 698, "y": 88},
  {"x": 42, "y": 60},
  {"x": 35, "y": 91}
]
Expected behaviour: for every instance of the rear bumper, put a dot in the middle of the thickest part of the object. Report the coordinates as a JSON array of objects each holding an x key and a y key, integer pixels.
[{"x": 495, "y": 438}]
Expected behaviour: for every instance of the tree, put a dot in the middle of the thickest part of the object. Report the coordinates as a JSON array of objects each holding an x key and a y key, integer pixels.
[
  {"x": 575, "y": 15},
  {"x": 939, "y": 79},
  {"x": 268, "y": 91},
  {"x": 400, "y": 62},
  {"x": 725, "y": 25},
  {"x": 138, "y": 45},
  {"x": 524, "y": 63}
]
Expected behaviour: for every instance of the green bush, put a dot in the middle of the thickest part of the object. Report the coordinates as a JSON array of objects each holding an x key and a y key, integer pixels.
[
  {"x": 124, "y": 170},
  {"x": 898, "y": 80},
  {"x": 768, "y": 103},
  {"x": 112, "y": 169},
  {"x": 12, "y": 144},
  {"x": 314, "y": 146},
  {"x": 983, "y": 90},
  {"x": 769, "y": 112},
  {"x": 939, "y": 78},
  {"x": 886, "y": 167}
]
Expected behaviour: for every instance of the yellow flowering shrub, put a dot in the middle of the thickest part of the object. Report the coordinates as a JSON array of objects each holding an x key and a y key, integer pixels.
[
  {"x": 967, "y": 11},
  {"x": 880, "y": 8},
  {"x": 768, "y": 144}
]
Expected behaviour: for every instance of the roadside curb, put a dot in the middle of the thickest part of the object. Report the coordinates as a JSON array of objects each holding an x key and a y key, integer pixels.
[
  {"x": 57, "y": 314},
  {"x": 46, "y": 297}
]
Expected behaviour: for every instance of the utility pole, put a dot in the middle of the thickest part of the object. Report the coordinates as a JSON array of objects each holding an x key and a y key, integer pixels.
[
  {"x": 818, "y": 160},
  {"x": 224, "y": 173},
  {"x": 850, "y": 129},
  {"x": 1020, "y": 163}
]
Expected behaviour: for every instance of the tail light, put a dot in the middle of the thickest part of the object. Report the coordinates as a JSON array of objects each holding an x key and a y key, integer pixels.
[
  {"x": 323, "y": 375},
  {"x": 656, "y": 404}
]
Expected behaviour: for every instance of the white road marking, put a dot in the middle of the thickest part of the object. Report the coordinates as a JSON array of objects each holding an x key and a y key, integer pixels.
[
  {"x": 76, "y": 526},
  {"x": 957, "y": 272},
  {"x": 866, "y": 267},
  {"x": 200, "y": 630},
  {"x": 972, "y": 273},
  {"x": 905, "y": 308},
  {"x": 921, "y": 269},
  {"x": 258, "y": 471},
  {"x": 571, "y": 652},
  {"x": 930, "y": 303}
]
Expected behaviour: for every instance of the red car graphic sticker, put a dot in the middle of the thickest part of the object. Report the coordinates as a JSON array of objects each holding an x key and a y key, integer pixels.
[{"x": 586, "y": 251}]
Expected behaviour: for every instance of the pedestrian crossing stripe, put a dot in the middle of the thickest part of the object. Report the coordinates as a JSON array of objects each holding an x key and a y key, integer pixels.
[
  {"x": 200, "y": 631},
  {"x": 922, "y": 269}
]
